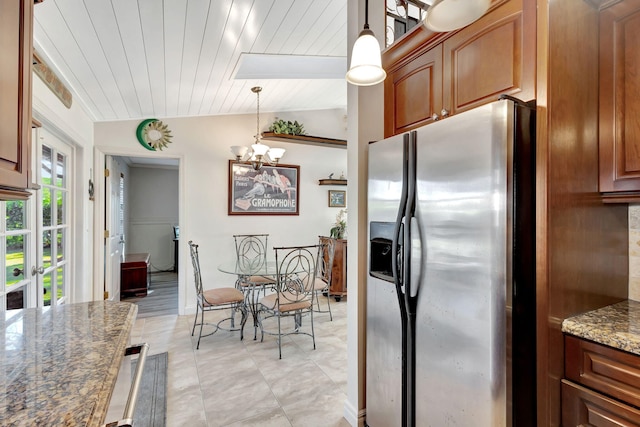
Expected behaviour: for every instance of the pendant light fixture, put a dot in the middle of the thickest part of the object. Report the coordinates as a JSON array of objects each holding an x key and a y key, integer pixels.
[
  {"x": 366, "y": 64},
  {"x": 259, "y": 153},
  {"x": 449, "y": 15}
]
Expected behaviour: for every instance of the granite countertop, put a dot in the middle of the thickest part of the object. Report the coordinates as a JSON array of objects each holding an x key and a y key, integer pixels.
[
  {"x": 616, "y": 325},
  {"x": 60, "y": 364}
]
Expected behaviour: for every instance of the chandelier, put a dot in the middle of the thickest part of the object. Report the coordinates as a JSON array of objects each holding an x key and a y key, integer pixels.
[{"x": 259, "y": 153}]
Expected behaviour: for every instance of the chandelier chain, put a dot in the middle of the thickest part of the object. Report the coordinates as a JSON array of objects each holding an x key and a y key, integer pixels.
[{"x": 257, "y": 91}]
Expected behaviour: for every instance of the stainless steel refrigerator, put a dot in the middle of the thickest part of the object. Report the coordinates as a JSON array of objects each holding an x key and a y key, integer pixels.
[{"x": 451, "y": 283}]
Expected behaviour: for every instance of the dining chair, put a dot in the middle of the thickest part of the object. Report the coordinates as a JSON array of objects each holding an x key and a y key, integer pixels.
[
  {"x": 322, "y": 283},
  {"x": 296, "y": 272},
  {"x": 251, "y": 256},
  {"x": 226, "y": 298}
]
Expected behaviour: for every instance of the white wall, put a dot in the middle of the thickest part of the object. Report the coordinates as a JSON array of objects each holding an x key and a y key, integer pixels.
[
  {"x": 366, "y": 120},
  {"x": 152, "y": 212},
  {"x": 202, "y": 146}
]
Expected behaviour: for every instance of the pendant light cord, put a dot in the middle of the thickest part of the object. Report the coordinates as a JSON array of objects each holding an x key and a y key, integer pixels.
[{"x": 366, "y": 14}]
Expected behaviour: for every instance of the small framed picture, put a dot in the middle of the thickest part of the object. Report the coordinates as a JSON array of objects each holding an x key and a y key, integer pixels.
[{"x": 337, "y": 198}]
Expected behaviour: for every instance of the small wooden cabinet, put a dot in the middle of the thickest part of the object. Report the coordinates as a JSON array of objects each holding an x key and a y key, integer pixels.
[
  {"x": 619, "y": 117},
  {"x": 431, "y": 76},
  {"x": 135, "y": 274},
  {"x": 601, "y": 387},
  {"x": 338, "y": 287},
  {"x": 16, "y": 21}
]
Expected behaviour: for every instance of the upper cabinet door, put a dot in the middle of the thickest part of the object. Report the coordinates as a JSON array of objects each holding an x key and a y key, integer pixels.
[
  {"x": 413, "y": 92},
  {"x": 620, "y": 97},
  {"x": 15, "y": 103},
  {"x": 495, "y": 55}
]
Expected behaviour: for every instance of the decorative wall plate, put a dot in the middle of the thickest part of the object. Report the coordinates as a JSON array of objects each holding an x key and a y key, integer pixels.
[{"x": 153, "y": 134}]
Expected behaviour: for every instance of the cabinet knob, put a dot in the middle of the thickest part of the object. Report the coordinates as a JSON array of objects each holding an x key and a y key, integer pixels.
[
  {"x": 435, "y": 117},
  {"x": 444, "y": 112}
]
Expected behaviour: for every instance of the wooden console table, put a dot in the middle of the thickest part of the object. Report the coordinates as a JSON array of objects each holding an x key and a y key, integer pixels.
[{"x": 135, "y": 274}]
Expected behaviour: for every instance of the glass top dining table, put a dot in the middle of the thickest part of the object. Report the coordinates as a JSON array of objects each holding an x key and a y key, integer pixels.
[{"x": 233, "y": 267}]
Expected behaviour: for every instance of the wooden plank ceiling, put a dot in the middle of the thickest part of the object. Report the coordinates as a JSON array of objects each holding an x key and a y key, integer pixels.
[{"x": 130, "y": 59}]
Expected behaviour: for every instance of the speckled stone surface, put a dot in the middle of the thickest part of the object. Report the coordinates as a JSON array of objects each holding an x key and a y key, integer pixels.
[
  {"x": 59, "y": 365},
  {"x": 616, "y": 325}
]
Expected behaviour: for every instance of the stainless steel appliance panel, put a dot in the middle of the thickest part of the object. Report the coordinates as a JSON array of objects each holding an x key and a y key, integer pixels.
[
  {"x": 462, "y": 216},
  {"x": 384, "y": 340}
]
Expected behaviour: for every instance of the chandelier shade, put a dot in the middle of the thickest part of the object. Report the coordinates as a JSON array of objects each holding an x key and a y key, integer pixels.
[
  {"x": 259, "y": 153},
  {"x": 449, "y": 15}
]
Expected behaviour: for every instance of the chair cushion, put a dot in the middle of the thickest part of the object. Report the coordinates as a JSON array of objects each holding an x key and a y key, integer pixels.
[
  {"x": 319, "y": 284},
  {"x": 220, "y": 296},
  {"x": 270, "y": 302}
]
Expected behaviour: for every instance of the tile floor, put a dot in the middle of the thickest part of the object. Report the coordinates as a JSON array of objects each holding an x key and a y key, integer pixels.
[{"x": 228, "y": 382}]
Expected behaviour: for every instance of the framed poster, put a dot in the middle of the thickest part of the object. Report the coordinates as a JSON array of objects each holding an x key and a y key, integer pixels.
[
  {"x": 337, "y": 198},
  {"x": 271, "y": 190}
]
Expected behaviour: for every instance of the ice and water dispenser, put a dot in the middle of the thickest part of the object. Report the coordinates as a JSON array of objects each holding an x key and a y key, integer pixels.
[{"x": 380, "y": 249}]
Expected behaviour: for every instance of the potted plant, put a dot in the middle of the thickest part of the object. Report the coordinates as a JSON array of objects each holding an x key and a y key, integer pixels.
[
  {"x": 339, "y": 228},
  {"x": 287, "y": 127}
]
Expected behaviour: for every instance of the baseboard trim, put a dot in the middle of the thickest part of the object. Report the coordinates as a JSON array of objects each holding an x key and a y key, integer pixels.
[{"x": 353, "y": 416}]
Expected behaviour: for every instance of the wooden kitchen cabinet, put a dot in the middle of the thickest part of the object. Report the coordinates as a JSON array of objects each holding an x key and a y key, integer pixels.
[
  {"x": 433, "y": 75},
  {"x": 601, "y": 386},
  {"x": 16, "y": 39},
  {"x": 584, "y": 407},
  {"x": 619, "y": 114},
  {"x": 413, "y": 92},
  {"x": 493, "y": 56}
]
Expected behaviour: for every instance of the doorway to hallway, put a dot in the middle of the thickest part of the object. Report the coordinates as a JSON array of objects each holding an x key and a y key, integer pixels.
[{"x": 146, "y": 213}]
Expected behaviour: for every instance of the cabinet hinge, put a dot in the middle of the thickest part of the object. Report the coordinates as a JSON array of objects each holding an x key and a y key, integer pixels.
[
  {"x": 106, "y": 173},
  {"x": 106, "y": 295},
  {"x": 106, "y": 234}
]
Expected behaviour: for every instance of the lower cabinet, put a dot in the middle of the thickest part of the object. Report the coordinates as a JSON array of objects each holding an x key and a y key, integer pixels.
[
  {"x": 602, "y": 385},
  {"x": 135, "y": 274},
  {"x": 584, "y": 407}
]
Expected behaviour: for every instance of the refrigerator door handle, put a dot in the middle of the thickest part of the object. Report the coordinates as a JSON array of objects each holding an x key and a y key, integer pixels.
[
  {"x": 410, "y": 211},
  {"x": 398, "y": 261},
  {"x": 410, "y": 292}
]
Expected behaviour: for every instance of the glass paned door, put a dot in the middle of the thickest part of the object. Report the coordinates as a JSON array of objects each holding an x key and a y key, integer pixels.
[
  {"x": 53, "y": 216},
  {"x": 16, "y": 238}
]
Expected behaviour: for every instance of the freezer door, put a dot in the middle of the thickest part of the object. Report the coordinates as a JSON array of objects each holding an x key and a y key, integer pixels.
[
  {"x": 384, "y": 352},
  {"x": 463, "y": 219}
]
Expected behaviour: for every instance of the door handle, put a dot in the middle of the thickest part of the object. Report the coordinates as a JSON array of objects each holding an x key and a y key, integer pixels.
[
  {"x": 39, "y": 270},
  {"x": 17, "y": 272}
]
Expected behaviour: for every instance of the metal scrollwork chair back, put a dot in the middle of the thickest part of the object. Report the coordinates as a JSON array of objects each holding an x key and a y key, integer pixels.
[
  {"x": 251, "y": 257},
  {"x": 296, "y": 272},
  {"x": 322, "y": 282},
  {"x": 251, "y": 250}
]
